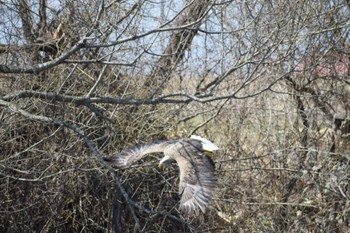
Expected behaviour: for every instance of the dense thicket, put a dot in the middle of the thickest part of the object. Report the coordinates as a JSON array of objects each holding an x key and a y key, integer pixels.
[{"x": 267, "y": 81}]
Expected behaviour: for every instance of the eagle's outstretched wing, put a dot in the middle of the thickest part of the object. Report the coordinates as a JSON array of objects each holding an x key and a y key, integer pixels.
[
  {"x": 123, "y": 159},
  {"x": 127, "y": 157},
  {"x": 197, "y": 176}
]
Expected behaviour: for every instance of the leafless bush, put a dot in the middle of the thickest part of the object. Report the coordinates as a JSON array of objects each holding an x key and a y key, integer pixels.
[{"x": 266, "y": 81}]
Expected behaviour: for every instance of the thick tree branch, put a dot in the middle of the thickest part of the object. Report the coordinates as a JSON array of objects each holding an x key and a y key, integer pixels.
[{"x": 44, "y": 66}]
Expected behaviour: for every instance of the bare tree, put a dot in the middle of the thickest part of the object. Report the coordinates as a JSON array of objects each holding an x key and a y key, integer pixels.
[{"x": 266, "y": 80}]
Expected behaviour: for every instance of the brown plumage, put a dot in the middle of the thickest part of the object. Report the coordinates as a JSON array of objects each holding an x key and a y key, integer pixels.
[{"x": 197, "y": 169}]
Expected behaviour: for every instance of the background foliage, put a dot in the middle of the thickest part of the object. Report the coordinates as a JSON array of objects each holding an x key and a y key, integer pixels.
[{"x": 267, "y": 81}]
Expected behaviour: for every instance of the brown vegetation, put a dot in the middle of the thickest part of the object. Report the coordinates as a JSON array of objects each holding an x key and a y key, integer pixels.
[{"x": 79, "y": 82}]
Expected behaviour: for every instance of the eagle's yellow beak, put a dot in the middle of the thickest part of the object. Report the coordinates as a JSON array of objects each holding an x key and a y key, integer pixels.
[
  {"x": 161, "y": 165},
  {"x": 165, "y": 160},
  {"x": 208, "y": 153}
]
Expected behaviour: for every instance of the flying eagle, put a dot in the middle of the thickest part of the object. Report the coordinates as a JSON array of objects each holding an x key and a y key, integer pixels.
[{"x": 197, "y": 169}]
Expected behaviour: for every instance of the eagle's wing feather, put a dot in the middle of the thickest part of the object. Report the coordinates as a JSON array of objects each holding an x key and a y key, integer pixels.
[
  {"x": 123, "y": 159},
  {"x": 197, "y": 176},
  {"x": 129, "y": 156}
]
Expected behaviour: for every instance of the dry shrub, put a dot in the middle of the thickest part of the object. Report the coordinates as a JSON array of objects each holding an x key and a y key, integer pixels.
[
  {"x": 278, "y": 171},
  {"x": 269, "y": 181},
  {"x": 50, "y": 179}
]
